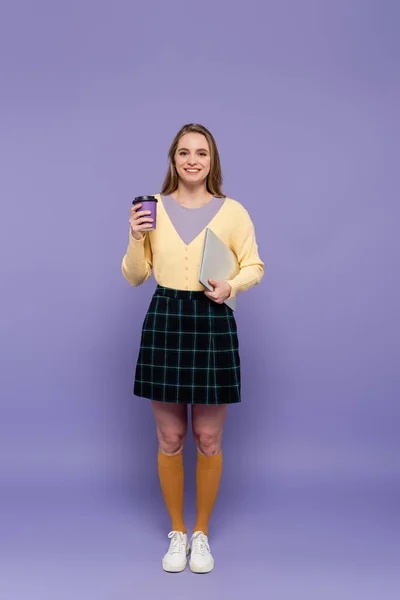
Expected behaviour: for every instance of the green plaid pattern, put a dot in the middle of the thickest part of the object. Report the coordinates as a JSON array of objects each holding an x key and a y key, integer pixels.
[{"x": 189, "y": 351}]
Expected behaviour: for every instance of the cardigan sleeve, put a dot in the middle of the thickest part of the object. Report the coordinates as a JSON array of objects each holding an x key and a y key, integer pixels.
[
  {"x": 245, "y": 247},
  {"x": 137, "y": 262}
]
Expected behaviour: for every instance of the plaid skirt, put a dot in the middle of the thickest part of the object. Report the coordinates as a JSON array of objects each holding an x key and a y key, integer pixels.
[{"x": 189, "y": 351}]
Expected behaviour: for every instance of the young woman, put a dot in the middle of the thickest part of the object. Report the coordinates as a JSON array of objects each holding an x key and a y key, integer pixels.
[{"x": 189, "y": 346}]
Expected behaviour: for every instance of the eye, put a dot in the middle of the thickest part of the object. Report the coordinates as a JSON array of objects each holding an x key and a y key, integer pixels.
[
  {"x": 182, "y": 153},
  {"x": 203, "y": 153}
]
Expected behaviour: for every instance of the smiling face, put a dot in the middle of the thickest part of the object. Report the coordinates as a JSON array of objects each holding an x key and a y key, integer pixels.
[{"x": 192, "y": 158}]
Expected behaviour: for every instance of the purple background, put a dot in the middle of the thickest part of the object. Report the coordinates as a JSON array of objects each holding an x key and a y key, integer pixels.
[{"x": 303, "y": 100}]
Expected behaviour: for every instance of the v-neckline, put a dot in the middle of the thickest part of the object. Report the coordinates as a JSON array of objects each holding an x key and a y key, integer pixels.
[{"x": 201, "y": 232}]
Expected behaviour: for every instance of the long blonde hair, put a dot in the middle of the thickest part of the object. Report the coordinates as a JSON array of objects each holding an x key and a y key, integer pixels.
[{"x": 214, "y": 178}]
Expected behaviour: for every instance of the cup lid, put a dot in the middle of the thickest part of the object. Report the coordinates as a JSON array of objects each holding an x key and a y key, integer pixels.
[{"x": 140, "y": 199}]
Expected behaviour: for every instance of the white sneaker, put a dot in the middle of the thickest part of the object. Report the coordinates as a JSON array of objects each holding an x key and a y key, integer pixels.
[
  {"x": 175, "y": 560},
  {"x": 201, "y": 559}
]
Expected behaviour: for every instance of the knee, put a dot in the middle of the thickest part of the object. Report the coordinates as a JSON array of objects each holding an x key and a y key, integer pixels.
[
  {"x": 171, "y": 442},
  {"x": 208, "y": 442}
]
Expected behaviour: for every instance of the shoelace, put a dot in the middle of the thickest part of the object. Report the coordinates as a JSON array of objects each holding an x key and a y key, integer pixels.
[
  {"x": 200, "y": 546},
  {"x": 176, "y": 538}
]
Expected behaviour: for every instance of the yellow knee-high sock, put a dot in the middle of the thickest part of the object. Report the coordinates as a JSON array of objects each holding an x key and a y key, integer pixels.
[
  {"x": 170, "y": 472},
  {"x": 208, "y": 476}
]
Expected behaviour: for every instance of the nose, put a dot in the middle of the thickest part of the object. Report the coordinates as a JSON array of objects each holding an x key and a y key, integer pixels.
[{"x": 192, "y": 161}]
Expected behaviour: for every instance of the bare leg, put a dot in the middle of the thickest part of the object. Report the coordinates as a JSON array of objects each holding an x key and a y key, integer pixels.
[
  {"x": 208, "y": 425},
  {"x": 171, "y": 424}
]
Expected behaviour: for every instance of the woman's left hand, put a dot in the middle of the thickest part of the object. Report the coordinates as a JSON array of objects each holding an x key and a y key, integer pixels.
[{"x": 222, "y": 291}]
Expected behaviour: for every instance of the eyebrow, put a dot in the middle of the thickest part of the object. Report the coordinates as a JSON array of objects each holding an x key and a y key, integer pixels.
[{"x": 198, "y": 149}]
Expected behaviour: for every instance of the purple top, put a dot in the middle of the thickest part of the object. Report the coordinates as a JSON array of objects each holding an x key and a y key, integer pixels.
[{"x": 190, "y": 222}]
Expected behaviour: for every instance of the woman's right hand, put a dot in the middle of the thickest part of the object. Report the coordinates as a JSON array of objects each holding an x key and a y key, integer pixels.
[{"x": 139, "y": 221}]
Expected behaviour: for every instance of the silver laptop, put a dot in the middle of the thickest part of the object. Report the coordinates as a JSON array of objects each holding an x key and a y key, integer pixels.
[{"x": 218, "y": 262}]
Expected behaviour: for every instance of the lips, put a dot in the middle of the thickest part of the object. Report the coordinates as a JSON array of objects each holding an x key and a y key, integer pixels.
[{"x": 192, "y": 170}]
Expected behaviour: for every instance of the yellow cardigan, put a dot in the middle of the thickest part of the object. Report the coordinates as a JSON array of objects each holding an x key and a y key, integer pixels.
[{"x": 176, "y": 265}]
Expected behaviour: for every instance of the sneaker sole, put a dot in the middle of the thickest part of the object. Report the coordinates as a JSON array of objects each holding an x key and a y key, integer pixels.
[
  {"x": 204, "y": 569},
  {"x": 178, "y": 569}
]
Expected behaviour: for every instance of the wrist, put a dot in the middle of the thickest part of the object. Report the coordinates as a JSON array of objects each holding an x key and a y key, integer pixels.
[
  {"x": 137, "y": 239},
  {"x": 231, "y": 291}
]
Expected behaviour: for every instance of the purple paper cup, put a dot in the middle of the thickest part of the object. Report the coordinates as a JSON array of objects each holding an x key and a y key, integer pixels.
[{"x": 148, "y": 203}]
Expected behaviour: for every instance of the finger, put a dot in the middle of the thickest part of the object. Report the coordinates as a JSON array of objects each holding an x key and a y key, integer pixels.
[
  {"x": 141, "y": 220},
  {"x": 211, "y": 291},
  {"x": 136, "y": 213},
  {"x": 139, "y": 217},
  {"x": 216, "y": 300},
  {"x": 213, "y": 283},
  {"x": 136, "y": 207},
  {"x": 211, "y": 295},
  {"x": 141, "y": 228},
  {"x": 144, "y": 220}
]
